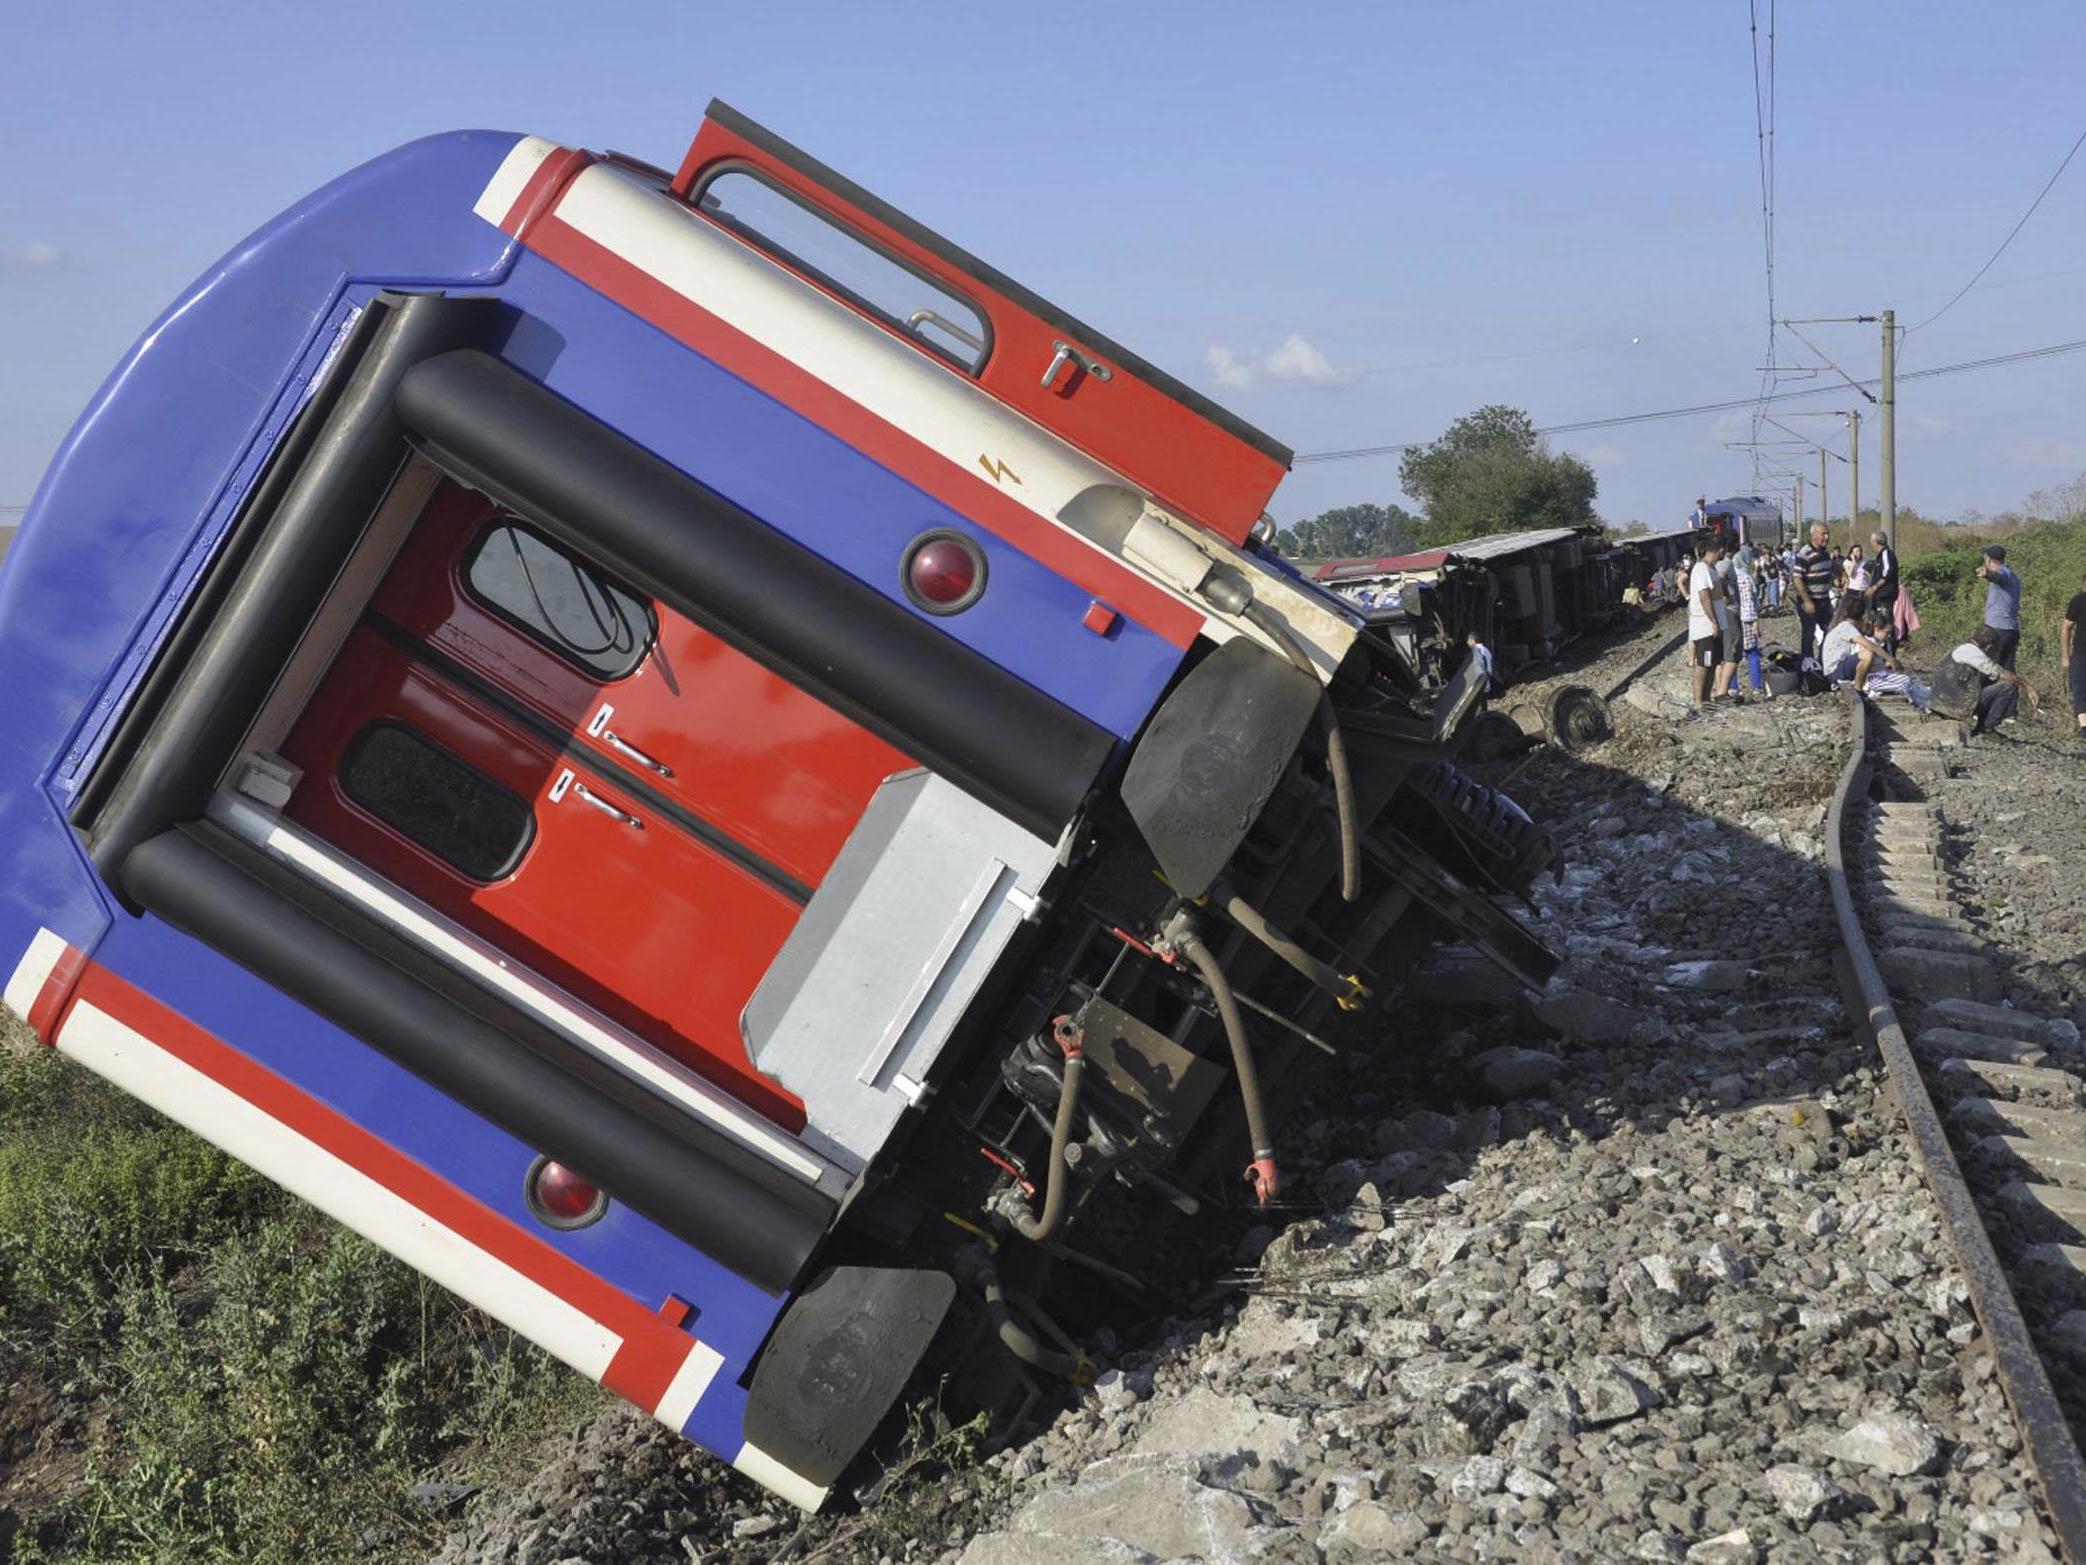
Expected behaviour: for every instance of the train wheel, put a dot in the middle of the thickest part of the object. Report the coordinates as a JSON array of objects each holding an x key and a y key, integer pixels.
[{"x": 1577, "y": 719}]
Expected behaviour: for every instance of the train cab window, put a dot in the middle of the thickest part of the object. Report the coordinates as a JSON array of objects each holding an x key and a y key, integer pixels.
[
  {"x": 808, "y": 241},
  {"x": 471, "y": 823},
  {"x": 559, "y": 601}
]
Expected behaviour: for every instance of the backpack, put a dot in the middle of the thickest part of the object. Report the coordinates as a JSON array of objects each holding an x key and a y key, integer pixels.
[{"x": 1956, "y": 689}]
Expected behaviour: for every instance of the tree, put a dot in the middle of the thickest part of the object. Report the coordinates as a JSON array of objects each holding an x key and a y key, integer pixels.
[
  {"x": 1348, "y": 531},
  {"x": 1492, "y": 473}
]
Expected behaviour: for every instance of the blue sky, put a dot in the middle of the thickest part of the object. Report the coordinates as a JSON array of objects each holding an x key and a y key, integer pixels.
[{"x": 1350, "y": 222}]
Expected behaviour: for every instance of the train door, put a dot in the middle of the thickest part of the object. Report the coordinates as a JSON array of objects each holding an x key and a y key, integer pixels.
[{"x": 586, "y": 780}]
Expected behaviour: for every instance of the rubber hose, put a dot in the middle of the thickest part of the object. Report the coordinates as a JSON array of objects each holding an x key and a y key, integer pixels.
[
  {"x": 1242, "y": 1065},
  {"x": 1249, "y": 918},
  {"x": 1335, "y": 751},
  {"x": 1056, "y": 1194},
  {"x": 1020, "y": 1341}
]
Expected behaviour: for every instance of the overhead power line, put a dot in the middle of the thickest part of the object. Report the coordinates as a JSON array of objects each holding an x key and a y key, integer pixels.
[
  {"x": 2009, "y": 239},
  {"x": 1764, "y": 151},
  {"x": 1695, "y": 409}
]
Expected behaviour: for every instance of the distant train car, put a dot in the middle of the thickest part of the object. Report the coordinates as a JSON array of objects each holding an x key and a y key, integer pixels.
[
  {"x": 1525, "y": 594},
  {"x": 1748, "y": 519}
]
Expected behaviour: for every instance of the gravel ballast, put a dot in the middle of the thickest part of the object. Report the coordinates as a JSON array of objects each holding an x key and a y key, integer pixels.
[{"x": 1639, "y": 1268}]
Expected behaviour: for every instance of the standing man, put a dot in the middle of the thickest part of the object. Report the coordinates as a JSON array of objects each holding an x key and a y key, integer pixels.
[
  {"x": 1481, "y": 655},
  {"x": 2072, "y": 644},
  {"x": 1705, "y": 645},
  {"x": 1883, "y": 587},
  {"x": 1811, "y": 576},
  {"x": 2002, "y": 602}
]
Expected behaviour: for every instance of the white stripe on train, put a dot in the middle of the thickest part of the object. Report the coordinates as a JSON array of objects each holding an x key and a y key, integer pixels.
[
  {"x": 33, "y": 971},
  {"x": 511, "y": 178}
]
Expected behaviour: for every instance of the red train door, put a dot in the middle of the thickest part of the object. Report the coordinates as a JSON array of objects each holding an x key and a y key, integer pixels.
[{"x": 593, "y": 784}]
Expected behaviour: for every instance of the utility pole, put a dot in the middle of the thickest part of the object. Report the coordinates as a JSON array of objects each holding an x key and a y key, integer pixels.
[
  {"x": 1888, "y": 399},
  {"x": 1854, "y": 467},
  {"x": 1799, "y": 505},
  {"x": 1824, "y": 501}
]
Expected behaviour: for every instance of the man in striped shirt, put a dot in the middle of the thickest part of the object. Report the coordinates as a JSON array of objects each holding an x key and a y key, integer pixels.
[{"x": 1812, "y": 580}]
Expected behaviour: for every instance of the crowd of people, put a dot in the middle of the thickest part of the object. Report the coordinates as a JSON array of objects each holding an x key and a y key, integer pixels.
[{"x": 1854, "y": 617}]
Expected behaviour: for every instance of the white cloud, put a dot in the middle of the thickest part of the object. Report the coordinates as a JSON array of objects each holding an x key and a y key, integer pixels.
[
  {"x": 1296, "y": 361},
  {"x": 33, "y": 255},
  {"x": 1604, "y": 456},
  {"x": 1229, "y": 370}
]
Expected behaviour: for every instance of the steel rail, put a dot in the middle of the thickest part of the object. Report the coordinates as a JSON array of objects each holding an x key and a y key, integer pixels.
[{"x": 2052, "y": 1450}]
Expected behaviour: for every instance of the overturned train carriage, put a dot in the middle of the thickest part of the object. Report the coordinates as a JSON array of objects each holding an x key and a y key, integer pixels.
[
  {"x": 1525, "y": 594},
  {"x": 711, "y": 772}
]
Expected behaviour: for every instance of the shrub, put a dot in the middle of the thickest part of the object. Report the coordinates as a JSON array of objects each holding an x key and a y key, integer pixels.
[{"x": 97, "y": 1191}]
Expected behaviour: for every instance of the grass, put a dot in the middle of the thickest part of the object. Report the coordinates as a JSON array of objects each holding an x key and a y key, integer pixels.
[{"x": 259, "y": 1384}]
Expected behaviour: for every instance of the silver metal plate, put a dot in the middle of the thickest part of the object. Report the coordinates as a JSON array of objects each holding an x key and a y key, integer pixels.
[{"x": 924, "y": 896}]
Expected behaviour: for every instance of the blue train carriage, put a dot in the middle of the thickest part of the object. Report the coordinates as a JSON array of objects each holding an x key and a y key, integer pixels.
[
  {"x": 694, "y": 761},
  {"x": 1747, "y": 519}
]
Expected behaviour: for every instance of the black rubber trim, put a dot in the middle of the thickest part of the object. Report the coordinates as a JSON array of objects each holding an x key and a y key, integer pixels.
[
  {"x": 873, "y": 659},
  {"x": 999, "y": 282},
  {"x": 749, "y": 1216},
  {"x": 260, "y": 594},
  {"x": 468, "y": 679}
]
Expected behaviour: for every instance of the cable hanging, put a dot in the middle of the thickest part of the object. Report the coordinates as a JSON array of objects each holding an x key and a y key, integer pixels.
[{"x": 2009, "y": 239}]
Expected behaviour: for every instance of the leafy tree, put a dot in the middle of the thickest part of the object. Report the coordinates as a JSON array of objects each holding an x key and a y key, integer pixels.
[
  {"x": 1490, "y": 472},
  {"x": 1348, "y": 531}
]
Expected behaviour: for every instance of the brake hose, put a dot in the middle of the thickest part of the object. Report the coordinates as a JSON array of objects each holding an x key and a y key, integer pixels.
[
  {"x": 1057, "y": 1192},
  {"x": 1261, "y": 1172},
  {"x": 1021, "y": 1342},
  {"x": 1335, "y": 749}
]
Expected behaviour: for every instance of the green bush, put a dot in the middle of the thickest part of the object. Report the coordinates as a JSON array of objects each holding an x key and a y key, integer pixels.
[
  {"x": 265, "y": 1386},
  {"x": 273, "y": 1415},
  {"x": 280, "y": 1403},
  {"x": 96, "y": 1192},
  {"x": 2049, "y": 556}
]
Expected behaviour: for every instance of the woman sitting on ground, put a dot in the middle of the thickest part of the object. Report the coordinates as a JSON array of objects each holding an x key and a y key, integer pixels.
[{"x": 1851, "y": 645}]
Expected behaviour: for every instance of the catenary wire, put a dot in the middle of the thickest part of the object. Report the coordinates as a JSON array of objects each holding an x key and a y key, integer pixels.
[
  {"x": 1616, "y": 421},
  {"x": 2009, "y": 239}
]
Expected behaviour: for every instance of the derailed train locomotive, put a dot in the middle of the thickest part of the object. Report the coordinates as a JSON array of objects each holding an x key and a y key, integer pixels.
[{"x": 708, "y": 770}]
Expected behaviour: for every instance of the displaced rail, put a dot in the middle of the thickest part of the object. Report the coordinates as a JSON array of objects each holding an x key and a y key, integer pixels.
[{"x": 2046, "y": 1434}]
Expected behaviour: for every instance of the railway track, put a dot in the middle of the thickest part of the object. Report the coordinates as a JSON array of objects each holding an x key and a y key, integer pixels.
[{"x": 1971, "y": 1077}]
